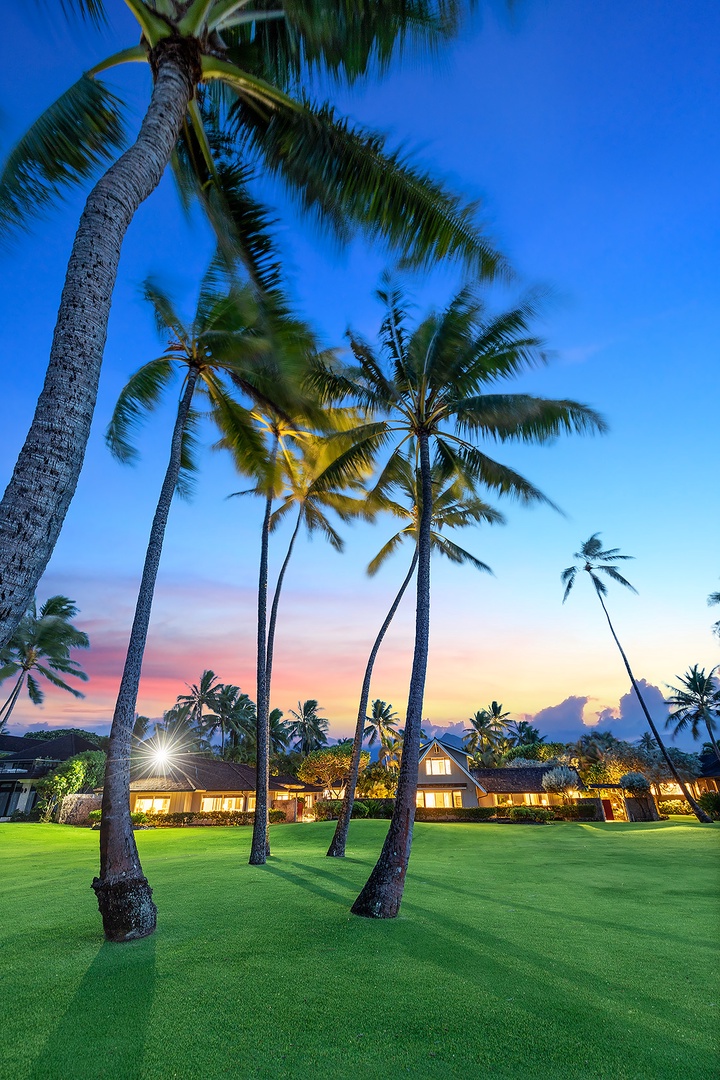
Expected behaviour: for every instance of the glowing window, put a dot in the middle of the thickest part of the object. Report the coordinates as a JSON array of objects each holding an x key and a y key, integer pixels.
[
  {"x": 438, "y": 798},
  {"x": 457, "y": 798},
  {"x": 251, "y": 802},
  {"x": 437, "y": 767},
  {"x": 419, "y": 799},
  {"x": 153, "y": 806},
  {"x": 282, "y": 796}
]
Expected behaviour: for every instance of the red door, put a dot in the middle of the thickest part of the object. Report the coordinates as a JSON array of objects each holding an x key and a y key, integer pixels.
[{"x": 608, "y": 810}]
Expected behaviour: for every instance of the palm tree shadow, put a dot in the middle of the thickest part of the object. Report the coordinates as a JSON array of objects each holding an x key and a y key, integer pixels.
[
  {"x": 102, "y": 1032},
  {"x": 306, "y": 884}
]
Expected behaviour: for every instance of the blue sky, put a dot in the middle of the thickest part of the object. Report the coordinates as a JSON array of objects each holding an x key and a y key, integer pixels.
[{"x": 590, "y": 133}]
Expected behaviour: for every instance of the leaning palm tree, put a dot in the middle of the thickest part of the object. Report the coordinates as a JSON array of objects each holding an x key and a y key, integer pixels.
[
  {"x": 430, "y": 385},
  {"x": 381, "y": 721},
  {"x": 593, "y": 560},
  {"x": 696, "y": 701},
  {"x": 41, "y": 644},
  {"x": 224, "y": 76},
  {"x": 453, "y": 507},
  {"x": 308, "y": 728},
  {"x": 226, "y": 346}
]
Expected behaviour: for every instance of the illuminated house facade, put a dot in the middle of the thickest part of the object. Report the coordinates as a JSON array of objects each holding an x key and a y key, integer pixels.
[
  {"x": 195, "y": 782},
  {"x": 445, "y": 779}
]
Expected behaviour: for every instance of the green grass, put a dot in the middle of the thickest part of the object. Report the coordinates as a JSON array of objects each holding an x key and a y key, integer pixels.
[{"x": 569, "y": 951}]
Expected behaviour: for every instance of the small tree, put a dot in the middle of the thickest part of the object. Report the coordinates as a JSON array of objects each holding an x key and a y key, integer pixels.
[
  {"x": 83, "y": 770},
  {"x": 635, "y": 784},
  {"x": 561, "y": 781},
  {"x": 330, "y": 766}
]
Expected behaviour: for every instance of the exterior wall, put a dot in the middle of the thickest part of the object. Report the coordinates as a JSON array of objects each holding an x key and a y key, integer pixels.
[{"x": 454, "y": 780}]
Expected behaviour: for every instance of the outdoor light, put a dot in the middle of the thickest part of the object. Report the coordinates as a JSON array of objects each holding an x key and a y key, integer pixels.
[{"x": 161, "y": 755}]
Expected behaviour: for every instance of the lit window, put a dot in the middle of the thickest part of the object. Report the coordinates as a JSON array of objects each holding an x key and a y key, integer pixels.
[
  {"x": 419, "y": 799},
  {"x": 233, "y": 803},
  {"x": 437, "y": 767},
  {"x": 251, "y": 802},
  {"x": 438, "y": 798},
  {"x": 211, "y": 804},
  {"x": 281, "y": 796},
  {"x": 153, "y": 805},
  {"x": 457, "y": 798}
]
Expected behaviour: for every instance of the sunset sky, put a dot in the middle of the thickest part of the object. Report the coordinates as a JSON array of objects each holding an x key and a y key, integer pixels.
[{"x": 590, "y": 133}]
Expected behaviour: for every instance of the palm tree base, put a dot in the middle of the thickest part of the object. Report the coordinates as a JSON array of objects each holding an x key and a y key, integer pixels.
[
  {"x": 382, "y": 893},
  {"x": 337, "y": 848},
  {"x": 126, "y": 907}
]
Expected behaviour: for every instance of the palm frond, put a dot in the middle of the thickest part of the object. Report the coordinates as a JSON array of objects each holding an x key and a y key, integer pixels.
[
  {"x": 188, "y": 455},
  {"x": 35, "y": 692},
  {"x": 524, "y": 418},
  {"x": 457, "y": 554},
  {"x": 81, "y": 131},
  {"x": 140, "y": 395}
]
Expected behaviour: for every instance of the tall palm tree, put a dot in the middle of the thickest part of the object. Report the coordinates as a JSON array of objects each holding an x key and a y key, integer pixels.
[
  {"x": 222, "y": 75},
  {"x": 222, "y": 717},
  {"x": 427, "y": 386},
  {"x": 400, "y": 493},
  {"x": 523, "y": 733},
  {"x": 381, "y": 722},
  {"x": 308, "y": 728},
  {"x": 226, "y": 340},
  {"x": 593, "y": 560},
  {"x": 42, "y": 643},
  {"x": 696, "y": 701},
  {"x": 484, "y": 733}
]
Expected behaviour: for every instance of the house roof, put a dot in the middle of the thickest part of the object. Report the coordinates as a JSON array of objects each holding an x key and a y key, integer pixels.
[
  {"x": 37, "y": 758},
  {"x": 512, "y": 781},
  {"x": 197, "y": 772},
  {"x": 12, "y": 744},
  {"x": 459, "y": 756}
]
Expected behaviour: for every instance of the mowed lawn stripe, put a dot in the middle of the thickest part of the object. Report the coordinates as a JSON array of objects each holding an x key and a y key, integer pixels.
[{"x": 584, "y": 952}]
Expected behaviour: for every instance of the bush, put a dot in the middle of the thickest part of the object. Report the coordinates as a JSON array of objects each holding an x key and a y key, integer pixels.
[
  {"x": 710, "y": 802},
  {"x": 455, "y": 813},
  {"x": 587, "y": 810},
  {"x": 138, "y": 817},
  {"x": 676, "y": 806},
  {"x": 379, "y": 808},
  {"x": 21, "y": 815},
  {"x": 211, "y": 817},
  {"x": 635, "y": 784},
  {"x": 94, "y": 816},
  {"x": 560, "y": 780},
  {"x": 539, "y": 814},
  {"x": 360, "y": 810}
]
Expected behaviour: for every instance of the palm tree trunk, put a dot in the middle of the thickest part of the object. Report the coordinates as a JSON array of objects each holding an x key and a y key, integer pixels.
[
  {"x": 12, "y": 699},
  {"x": 711, "y": 736},
  {"x": 260, "y": 847},
  {"x": 339, "y": 840},
  {"x": 274, "y": 609},
  {"x": 697, "y": 810},
  {"x": 123, "y": 894},
  {"x": 46, "y": 473},
  {"x": 381, "y": 895}
]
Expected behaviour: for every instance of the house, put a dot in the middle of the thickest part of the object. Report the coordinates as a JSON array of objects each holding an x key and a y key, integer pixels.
[
  {"x": 196, "y": 782},
  {"x": 446, "y": 779},
  {"x": 27, "y": 762}
]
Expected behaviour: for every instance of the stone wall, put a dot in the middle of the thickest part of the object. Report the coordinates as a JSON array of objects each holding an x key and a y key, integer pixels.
[
  {"x": 75, "y": 809},
  {"x": 641, "y": 808}
]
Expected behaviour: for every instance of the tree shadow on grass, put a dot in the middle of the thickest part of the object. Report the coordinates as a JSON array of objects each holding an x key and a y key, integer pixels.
[
  {"x": 101, "y": 1035},
  {"x": 312, "y": 886}
]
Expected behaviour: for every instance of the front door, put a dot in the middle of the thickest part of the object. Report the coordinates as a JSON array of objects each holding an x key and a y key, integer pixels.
[{"x": 608, "y": 810}]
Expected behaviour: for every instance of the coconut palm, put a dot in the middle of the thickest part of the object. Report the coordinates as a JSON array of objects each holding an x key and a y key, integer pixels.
[
  {"x": 308, "y": 728},
  {"x": 226, "y": 75},
  {"x": 381, "y": 722},
  {"x": 41, "y": 644},
  {"x": 714, "y": 598},
  {"x": 593, "y": 561},
  {"x": 523, "y": 733},
  {"x": 484, "y": 733},
  {"x": 226, "y": 346},
  {"x": 696, "y": 701},
  {"x": 426, "y": 386},
  {"x": 453, "y": 507}
]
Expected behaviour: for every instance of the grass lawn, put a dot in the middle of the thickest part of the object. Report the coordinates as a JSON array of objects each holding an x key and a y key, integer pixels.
[{"x": 568, "y": 951}]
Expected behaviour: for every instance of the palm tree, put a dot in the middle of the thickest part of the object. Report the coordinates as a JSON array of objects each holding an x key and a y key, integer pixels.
[
  {"x": 485, "y": 731},
  {"x": 453, "y": 507},
  {"x": 223, "y": 76},
  {"x": 593, "y": 560},
  {"x": 223, "y": 703},
  {"x": 647, "y": 743},
  {"x": 308, "y": 728},
  {"x": 696, "y": 701},
  {"x": 226, "y": 340},
  {"x": 523, "y": 733},
  {"x": 42, "y": 643},
  {"x": 381, "y": 722},
  {"x": 714, "y": 598},
  {"x": 427, "y": 387}
]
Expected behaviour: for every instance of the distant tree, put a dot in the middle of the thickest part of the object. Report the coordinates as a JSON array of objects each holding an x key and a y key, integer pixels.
[
  {"x": 486, "y": 729},
  {"x": 141, "y": 727},
  {"x": 561, "y": 781},
  {"x": 46, "y": 734},
  {"x": 377, "y": 782},
  {"x": 41, "y": 644},
  {"x": 635, "y": 784},
  {"x": 523, "y": 733},
  {"x": 330, "y": 766},
  {"x": 308, "y": 728},
  {"x": 594, "y": 561},
  {"x": 381, "y": 721},
  {"x": 714, "y": 598},
  {"x": 696, "y": 701}
]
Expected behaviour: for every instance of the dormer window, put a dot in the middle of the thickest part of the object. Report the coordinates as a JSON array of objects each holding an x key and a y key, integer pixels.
[{"x": 437, "y": 767}]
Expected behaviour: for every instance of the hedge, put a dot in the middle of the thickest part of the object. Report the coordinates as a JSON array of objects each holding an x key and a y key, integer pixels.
[
  {"x": 210, "y": 817},
  {"x": 676, "y": 806},
  {"x": 456, "y": 813},
  {"x": 329, "y": 809}
]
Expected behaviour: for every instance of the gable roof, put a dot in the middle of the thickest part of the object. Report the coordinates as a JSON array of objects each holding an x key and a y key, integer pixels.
[
  {"x": 458, "y": 756},
  {"x": 504, "y": 781},
  {"x": 12, "y": 744},
  {"x": 197, "y": 772},
  {"x": 37, "y": 758}
]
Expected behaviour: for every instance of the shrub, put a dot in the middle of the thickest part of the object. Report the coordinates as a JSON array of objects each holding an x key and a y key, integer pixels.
[
  {"x": 85, "y": 770},
  {"x": 360, "y": 810},
  {"x": 635, "y": 784},
  {"x": 531, "y": 813},
  {"x": 22, "y": 815},
  {"x": 379, "y": 808},
  {"x": 587, "y": 810},
  {"x": 94, "y": 816},
  {"x": 710, "y": 802},
  {"x": 560, "y": 780},
  {"x": 455, "y": 813},
  {"x": 675, "y": 806}
]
